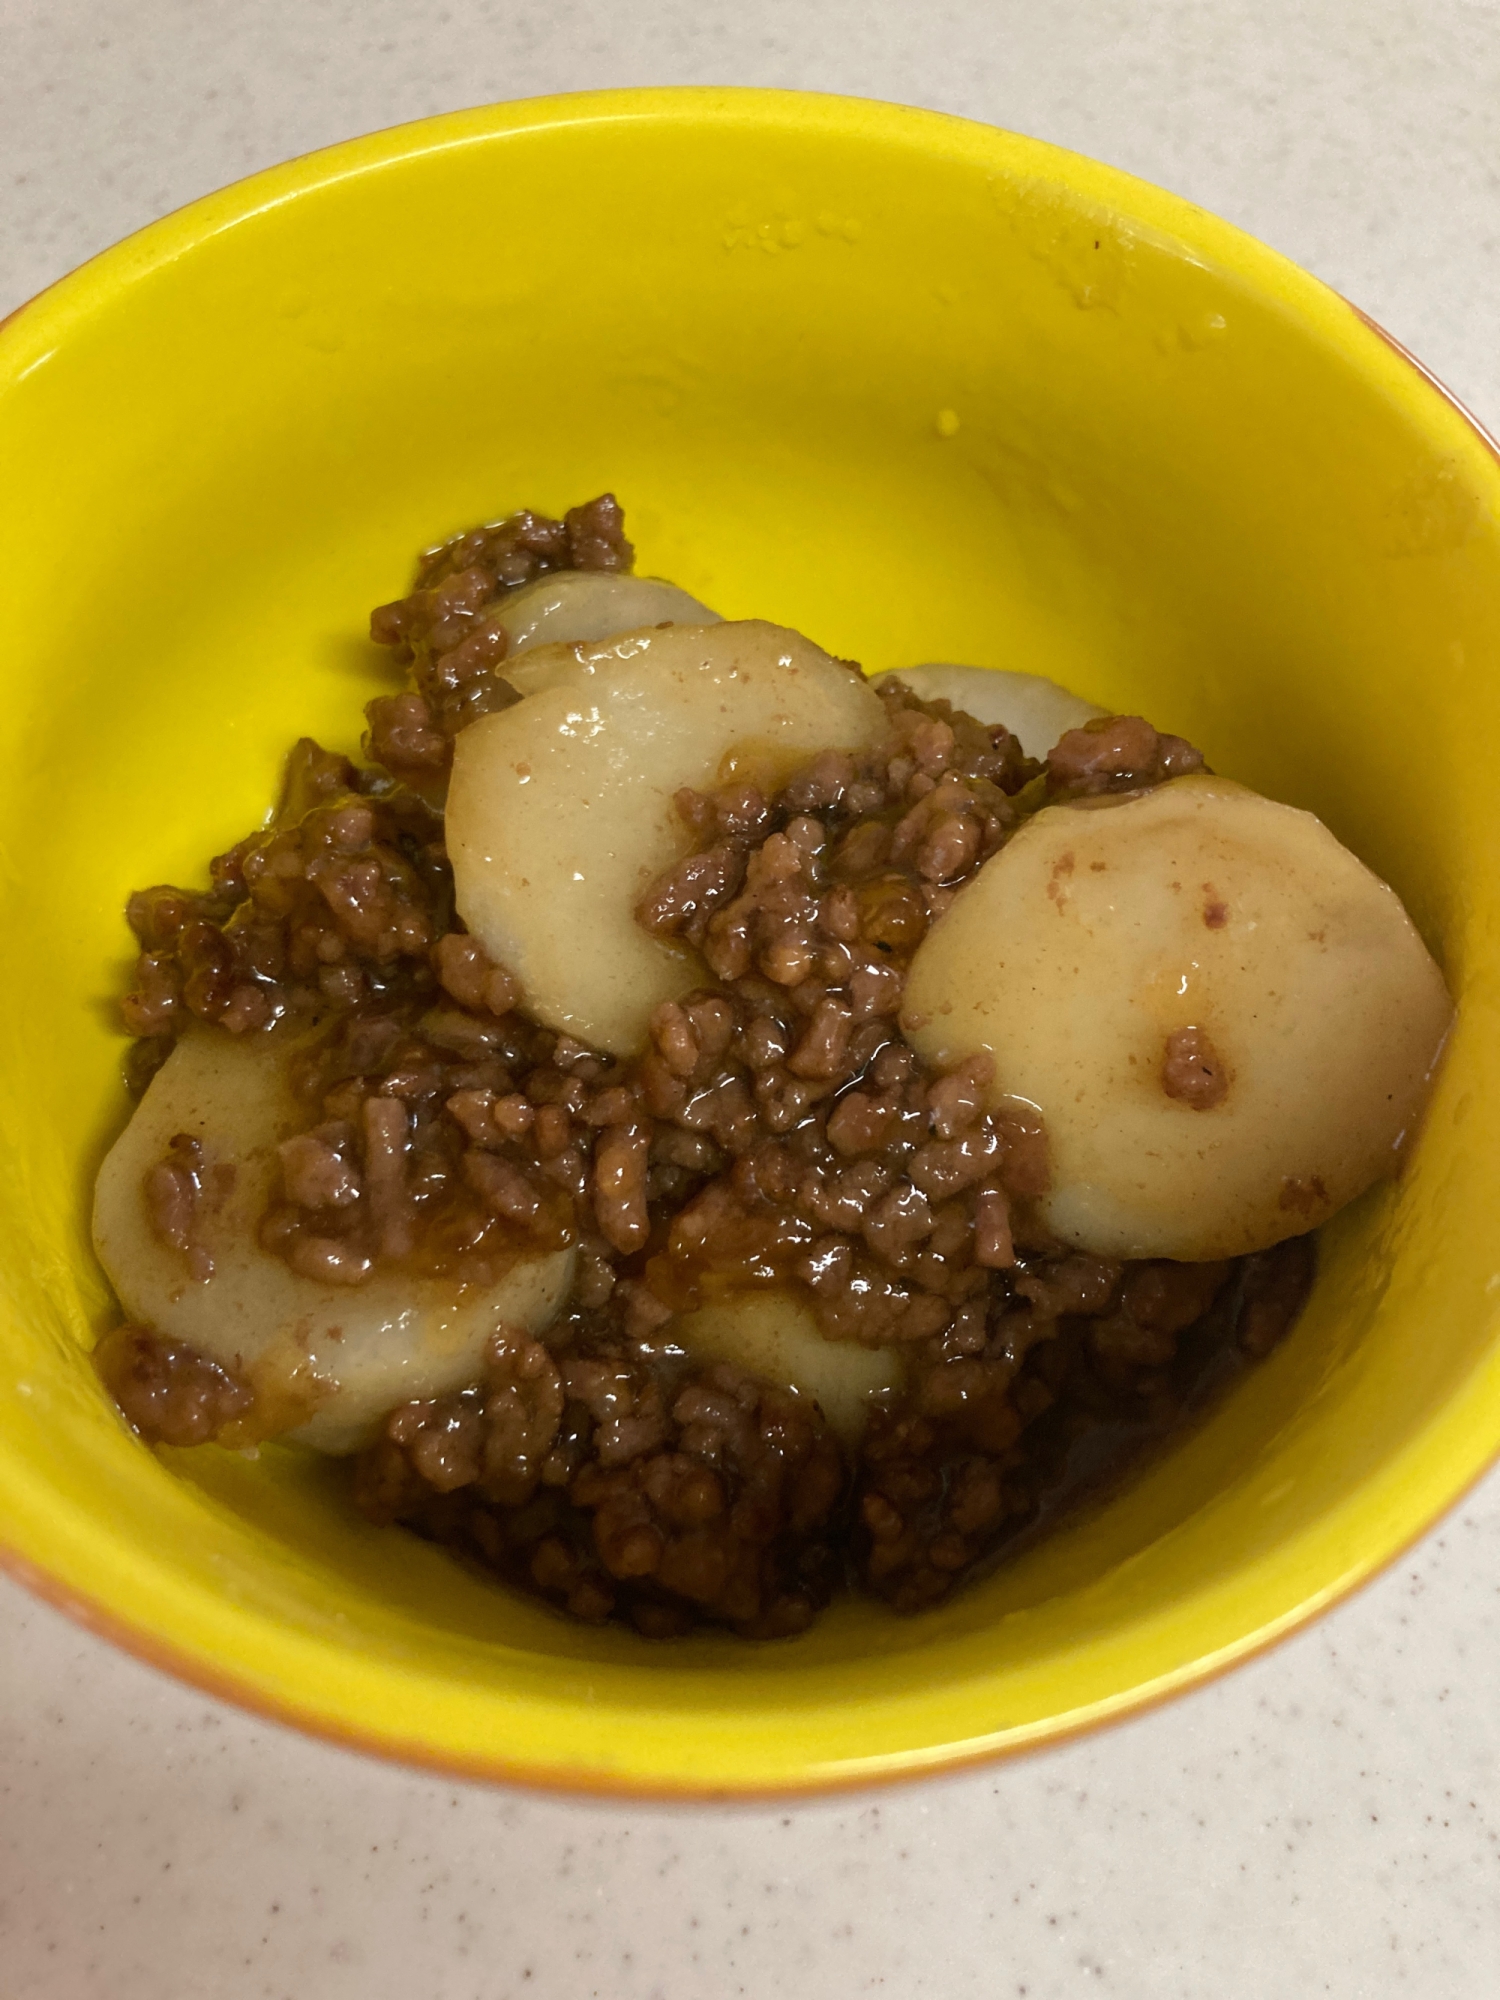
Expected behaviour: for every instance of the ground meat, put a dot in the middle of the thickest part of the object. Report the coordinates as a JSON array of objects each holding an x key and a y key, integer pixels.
[
  {"x": 176, "y": 1192},
  {"x": 450, "y": 630},
  {"x": 1192, "y": 1070},
  {"x": 169, "y": 1393},
  {"x": 340, "y": 902},
  {"x": 444, "y": 1142},
  {"x": 1116, "y": 753},
  {"x": 664, "y": 1497},
  {"x": 1009, "y": 1421},
  {"x": 777, "y": 1131}
]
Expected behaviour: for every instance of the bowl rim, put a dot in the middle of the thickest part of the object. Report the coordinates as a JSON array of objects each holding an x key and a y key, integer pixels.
[{"x": 36, "y": 328}]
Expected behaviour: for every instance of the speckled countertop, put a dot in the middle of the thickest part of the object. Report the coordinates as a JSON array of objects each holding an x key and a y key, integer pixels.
[{"x": 1325, "y": 1821}]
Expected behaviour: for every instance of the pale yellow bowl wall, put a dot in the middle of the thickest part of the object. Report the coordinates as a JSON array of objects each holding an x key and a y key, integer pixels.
[{"x": 1184, "y": 479}]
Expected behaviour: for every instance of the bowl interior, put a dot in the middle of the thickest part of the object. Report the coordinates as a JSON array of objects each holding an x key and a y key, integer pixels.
[{"x": 925, "y": 391}]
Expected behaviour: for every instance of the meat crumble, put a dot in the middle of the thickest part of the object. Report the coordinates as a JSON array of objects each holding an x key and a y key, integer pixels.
[{"x": 777, "y": 1131}]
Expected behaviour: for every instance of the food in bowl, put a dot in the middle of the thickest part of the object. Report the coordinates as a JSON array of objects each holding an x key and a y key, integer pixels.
[{"x": 696, "y": 1126}]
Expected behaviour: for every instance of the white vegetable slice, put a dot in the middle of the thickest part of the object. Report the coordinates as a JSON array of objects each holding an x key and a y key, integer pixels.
[
  {"x": 560, "y": 809},
  {"x": 348, "y": 1354},
  {"x": 1209, "y": 940},
  {"x": 773, "y": 1334},
  {"x": 585, "y": 604},
  {"x": 1035, "y": 710}
]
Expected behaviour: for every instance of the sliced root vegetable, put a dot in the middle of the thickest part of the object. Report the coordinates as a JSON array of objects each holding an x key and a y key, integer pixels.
[
  {"x": 774, "y": 1334},
  {"x": 561, "y": 809},
  {"x": 586, "y": 604},
  {"x": 1035, "y": 711},
  {"x": 325, "y": 1361},
  {"x": 1225, "y": 1020}
]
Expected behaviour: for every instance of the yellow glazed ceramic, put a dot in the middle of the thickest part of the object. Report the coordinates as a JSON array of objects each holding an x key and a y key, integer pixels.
[{"x": 923, "y": 390}]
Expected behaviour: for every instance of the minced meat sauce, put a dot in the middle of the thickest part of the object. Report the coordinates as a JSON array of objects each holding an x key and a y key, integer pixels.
[{"x": 777, "y": 1130}]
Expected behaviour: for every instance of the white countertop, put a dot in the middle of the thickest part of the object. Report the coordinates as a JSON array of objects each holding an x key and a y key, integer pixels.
[{"x": 1325, "y": 1821}]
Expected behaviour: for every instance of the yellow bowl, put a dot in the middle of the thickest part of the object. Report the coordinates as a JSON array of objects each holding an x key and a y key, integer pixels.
[{"x": 924, "y": 390}]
